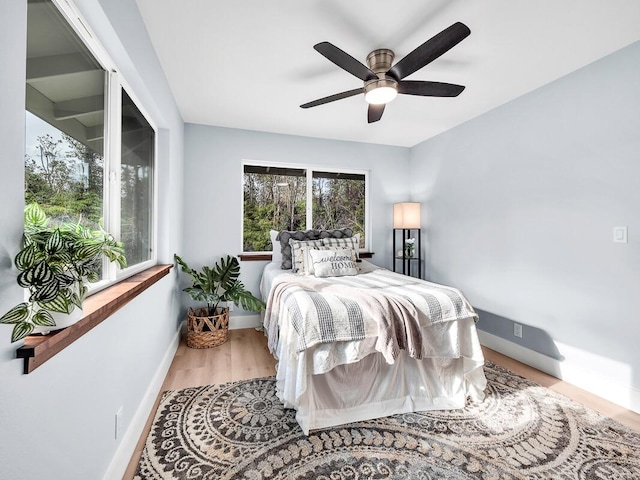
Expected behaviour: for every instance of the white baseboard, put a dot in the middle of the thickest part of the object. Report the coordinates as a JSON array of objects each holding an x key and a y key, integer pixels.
[
  {"x": 244, "y": 321},
  {"x": 610, "y": 380},
  {"x": 120, "y": 460}
]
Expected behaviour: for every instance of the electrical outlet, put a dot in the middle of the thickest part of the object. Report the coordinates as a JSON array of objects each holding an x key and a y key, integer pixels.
[
  {"x": 517, "y": 330},
  {"x": 230, "y": 305},
  {"x": 620, "y": 234},
  {"x": 118, "y": 423}
]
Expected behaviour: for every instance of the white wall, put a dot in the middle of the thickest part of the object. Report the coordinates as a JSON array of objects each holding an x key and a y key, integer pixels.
[
  {"x": 213, "y": 193},
  {"x": 520, "y": 205},
  {"x": 58, "y": 422}
]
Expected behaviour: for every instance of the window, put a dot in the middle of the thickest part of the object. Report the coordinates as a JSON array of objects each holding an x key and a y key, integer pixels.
[
  {"x": 280, "y": 197},
  {"x": 80, "y": 162},
  {"x": 136, "y": 183}
]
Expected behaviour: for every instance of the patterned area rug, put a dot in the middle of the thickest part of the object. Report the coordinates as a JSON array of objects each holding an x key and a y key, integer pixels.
[{"x": 521, "y": 431}]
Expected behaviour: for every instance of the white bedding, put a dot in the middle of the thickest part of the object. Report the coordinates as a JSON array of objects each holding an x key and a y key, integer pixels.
[{"x": 334, "y": 383}]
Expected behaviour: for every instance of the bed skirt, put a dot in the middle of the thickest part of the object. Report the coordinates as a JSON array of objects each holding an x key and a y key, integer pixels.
[
  {"x": 336, "y": 383},
  {"x": 372, "y": 388}
]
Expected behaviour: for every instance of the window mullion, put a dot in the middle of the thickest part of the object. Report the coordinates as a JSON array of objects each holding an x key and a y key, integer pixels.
[
  {"x": 309, "y": 202},
  {"x": 113, "y": 132}
]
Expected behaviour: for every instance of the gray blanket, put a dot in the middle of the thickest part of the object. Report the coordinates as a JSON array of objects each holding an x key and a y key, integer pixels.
[{"x": 390, "y": 306}]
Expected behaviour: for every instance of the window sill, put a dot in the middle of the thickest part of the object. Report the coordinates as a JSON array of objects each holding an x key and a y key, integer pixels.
[
  {"x": 37, "y": 349},
  {"x": 254, "y": 257}
]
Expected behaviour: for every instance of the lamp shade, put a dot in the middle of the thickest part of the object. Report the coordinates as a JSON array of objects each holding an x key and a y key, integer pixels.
[{"x": 406, "y": 215}]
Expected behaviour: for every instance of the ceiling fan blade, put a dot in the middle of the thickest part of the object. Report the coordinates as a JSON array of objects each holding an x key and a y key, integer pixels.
[
  {"x": 429, "y": 89},
  {"x": 375, "y": 112},
  {"x": 430, "y": 50},
  {"x": 345, "y": 61},
  {"x": 333, "y": 98}
]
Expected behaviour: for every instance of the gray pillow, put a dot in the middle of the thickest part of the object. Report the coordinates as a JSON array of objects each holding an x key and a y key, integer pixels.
[{"x": 285, "y": 235}]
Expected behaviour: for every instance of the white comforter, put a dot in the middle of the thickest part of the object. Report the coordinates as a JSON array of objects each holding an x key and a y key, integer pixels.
[{"x": 307, "y": 380}]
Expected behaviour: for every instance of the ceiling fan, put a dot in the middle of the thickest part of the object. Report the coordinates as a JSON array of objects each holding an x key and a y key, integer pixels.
[{"x": 382, "y": 82}]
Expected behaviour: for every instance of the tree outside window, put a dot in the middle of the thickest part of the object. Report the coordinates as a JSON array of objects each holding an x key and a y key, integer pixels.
[{"x": 276, "y": 198}]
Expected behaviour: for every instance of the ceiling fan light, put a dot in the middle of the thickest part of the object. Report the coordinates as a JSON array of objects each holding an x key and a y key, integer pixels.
[{"x": 381, "y": 95}]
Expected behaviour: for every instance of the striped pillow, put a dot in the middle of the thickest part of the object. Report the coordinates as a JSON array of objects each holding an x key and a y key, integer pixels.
[
  {"x": 348, "y": 242},
  {"x": 300, "y": 253}
]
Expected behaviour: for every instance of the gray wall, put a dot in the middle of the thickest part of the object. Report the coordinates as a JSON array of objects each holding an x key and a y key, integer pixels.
[
  {"x": 213, "y": 193},
  {"x": 58, "y": 422},
  {"x": 520, "y": 206}
]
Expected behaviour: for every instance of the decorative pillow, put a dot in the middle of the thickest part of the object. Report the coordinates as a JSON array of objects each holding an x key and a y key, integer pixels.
[
  {"x": 286, "y": 235},
  {"x": 333, "y": 263},
  {"x": 276, "y": 252},
  {"x": 348, "y": 242},
  {"x": 300, "y": 254}
]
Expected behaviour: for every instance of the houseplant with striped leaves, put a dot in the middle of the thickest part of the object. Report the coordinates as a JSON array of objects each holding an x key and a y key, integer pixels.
[{"x": 55, "y": 264}]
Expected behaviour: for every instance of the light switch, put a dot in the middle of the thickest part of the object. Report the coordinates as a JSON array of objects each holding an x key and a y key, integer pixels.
[{"x": 620, "y": 234}]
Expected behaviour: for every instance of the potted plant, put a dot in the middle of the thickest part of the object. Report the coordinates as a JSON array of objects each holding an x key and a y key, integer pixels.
[
  {"x": 209, "y": 326},
  {"x": 55, "y": 264}
]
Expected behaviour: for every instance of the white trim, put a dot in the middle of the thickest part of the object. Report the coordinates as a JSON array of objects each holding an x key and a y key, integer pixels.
[
  {"x": 237, "y": 322},
  {"x": 81, "y": 27},
  {"x": 111, "y": 174},
  {"x": 574, "y": 369},
  {"x": 309, "y": 204},
  {"x": 122, "y": 457}
]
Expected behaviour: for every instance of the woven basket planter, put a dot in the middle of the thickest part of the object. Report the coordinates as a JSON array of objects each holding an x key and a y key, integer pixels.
[{"x": 206, "y": 331}]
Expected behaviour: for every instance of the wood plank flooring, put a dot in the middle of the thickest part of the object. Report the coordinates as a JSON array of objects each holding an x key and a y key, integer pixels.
[{"x": 246, "y": 356}]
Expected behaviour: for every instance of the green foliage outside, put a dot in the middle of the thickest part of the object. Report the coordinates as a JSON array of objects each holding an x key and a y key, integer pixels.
[
  {"x": 66, "y": 179},
  {"x": 278, "y": 202},
  {"x": 339, "y": 203}
]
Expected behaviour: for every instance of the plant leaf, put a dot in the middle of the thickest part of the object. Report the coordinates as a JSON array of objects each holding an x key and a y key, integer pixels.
[
  {"x": 43, "y": 319},
  {"x": 17, "y": 314},
  {"x": 82, "y": 293},
  {"x": 240, "y": 296},
  {"x": 58, "y": 304},
  {"x": 185, "y": 268},
  {"x": 76, "y": 300},
  {"x": 37, "y": 275},
  {"x": 54, "y": 242},
  {"x": 65, "y": 280},
  {"x": 227, "y": 271},
  {"x": 89, "y": 251},
  {"x": 46, "y": 292},
  {"x": 21, "y": 330},
  {"x": 93, "y": 277},
  {"x": 26, "y": 257},
  {"x": 34, "y": 216}
]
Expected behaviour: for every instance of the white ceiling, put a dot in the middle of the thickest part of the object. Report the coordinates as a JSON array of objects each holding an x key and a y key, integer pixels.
[{"x": 250, "y": 64}]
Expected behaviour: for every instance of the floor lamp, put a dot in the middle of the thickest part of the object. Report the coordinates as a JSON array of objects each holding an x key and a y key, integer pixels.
[{"x": 406, "y": 217}]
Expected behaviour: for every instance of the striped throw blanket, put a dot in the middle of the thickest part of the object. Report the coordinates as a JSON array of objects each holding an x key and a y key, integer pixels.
[{"x": 324, "y": 310}]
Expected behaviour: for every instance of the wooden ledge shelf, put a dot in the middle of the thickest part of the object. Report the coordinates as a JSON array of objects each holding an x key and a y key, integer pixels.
[
  {"x": 37, "y": 349},
  {"x": 254, "y": 257}
]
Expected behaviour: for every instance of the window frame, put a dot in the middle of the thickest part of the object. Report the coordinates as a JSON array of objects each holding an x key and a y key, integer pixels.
[
  {"x": 309, "y": 169},
  {"x": 115, "y": 83}
]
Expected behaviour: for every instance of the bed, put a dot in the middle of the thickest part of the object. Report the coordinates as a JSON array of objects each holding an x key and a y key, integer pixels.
[{"x": 367, "y": 345}]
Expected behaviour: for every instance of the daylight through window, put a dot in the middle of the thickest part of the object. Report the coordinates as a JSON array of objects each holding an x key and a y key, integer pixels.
[
  {"x": 70, "y": 143},
  {"x": 283, "y": 198}
]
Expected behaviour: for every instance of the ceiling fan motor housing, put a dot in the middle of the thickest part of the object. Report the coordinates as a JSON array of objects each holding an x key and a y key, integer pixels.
[{"x": 379, "y": 62}]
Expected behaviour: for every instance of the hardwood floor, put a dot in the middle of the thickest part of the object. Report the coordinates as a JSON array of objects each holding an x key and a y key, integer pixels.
[{"x": 246, "y": 356}]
